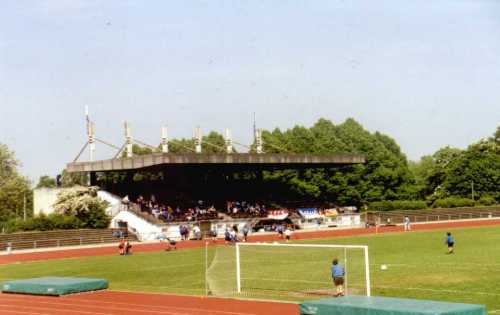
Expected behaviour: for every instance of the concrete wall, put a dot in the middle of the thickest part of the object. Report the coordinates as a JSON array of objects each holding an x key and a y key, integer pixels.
[
  {"x": 145, "y": 230},
  {"x": 44, "y": 199}
]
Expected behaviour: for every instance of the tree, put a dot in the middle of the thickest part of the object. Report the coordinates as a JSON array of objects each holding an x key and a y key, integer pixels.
[
  {"x": 496, "y": 136},
  {"x": 213, "y": 143},
  {"x": 181, "y": 146},
  {"x": 478, "y": 165},
  {"x": 431, "y": 171},
  {"x": 15, "y": 190},
  {"x": 84, "y": 204},
  {"x": 385, "y": 175},
  {"x": 74, "y": 179},
  {"x": 8, "y": 164},
  {"x": 46, "y": 182}
]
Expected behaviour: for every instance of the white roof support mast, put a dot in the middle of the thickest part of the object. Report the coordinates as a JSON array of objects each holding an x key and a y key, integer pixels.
[
  {"x": 164, "y": 139},
  {"x": 90, "y": 134}
]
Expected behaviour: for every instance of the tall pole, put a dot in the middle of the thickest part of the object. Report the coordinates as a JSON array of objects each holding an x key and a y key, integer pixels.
[
  {"x": 90, "y": 134},
  {"x": 229, "y": 142},
  {"x": 254, "y": 128},
  {"x": 197, "y": 139},
  {"x": 164, "y": 139},
  {"x": 258, "y": 140},
  {"x": 128, "y": 140}
]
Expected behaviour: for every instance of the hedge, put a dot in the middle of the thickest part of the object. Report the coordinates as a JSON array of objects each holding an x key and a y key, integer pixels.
[
  {"x": 42, "y": 223},
  {"x": 453, "y": 202},
  {"x": 390, "y": 205}
]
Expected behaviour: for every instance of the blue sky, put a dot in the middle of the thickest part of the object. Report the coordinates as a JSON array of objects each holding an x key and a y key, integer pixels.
[{"x": 426, "y": 73}]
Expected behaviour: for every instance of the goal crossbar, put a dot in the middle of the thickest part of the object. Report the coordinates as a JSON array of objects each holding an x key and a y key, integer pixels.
[
  {"x": 303, "y": 245},
  {"x": 364, "y": 248}
]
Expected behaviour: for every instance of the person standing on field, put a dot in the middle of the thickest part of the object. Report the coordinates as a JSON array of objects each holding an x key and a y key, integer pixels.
[
  {"x": 407, "y": 224},
  {"x": 288, "y": 233},
  {"x": 450, "y": 241},
  {"x": 245, "y": 233},
  {"x": 338, "y": 274}
]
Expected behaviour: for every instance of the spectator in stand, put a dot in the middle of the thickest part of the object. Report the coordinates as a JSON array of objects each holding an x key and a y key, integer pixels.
[
  {"x": 140, "y": 202},
  {"x": 125, "y": 202},
  {"x": 155, "y": 211},
  {"x": 189, "y": 214},
  {"x": 212, "y": 212}
]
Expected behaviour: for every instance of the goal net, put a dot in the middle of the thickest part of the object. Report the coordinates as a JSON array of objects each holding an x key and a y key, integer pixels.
[{"x": 286, "y": 271}]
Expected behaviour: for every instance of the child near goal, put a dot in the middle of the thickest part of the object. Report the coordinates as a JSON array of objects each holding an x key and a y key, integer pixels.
[{"x": 338, "y": 274}]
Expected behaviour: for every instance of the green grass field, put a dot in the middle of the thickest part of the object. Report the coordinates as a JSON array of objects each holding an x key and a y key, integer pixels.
[{"x": 417, "y": 268}]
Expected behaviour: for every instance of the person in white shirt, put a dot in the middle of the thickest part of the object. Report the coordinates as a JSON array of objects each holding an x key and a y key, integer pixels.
[{"x": 197, "y": 232}]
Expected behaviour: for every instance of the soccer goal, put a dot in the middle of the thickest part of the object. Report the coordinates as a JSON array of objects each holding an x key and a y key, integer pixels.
[{"x": 286, "y": 271}]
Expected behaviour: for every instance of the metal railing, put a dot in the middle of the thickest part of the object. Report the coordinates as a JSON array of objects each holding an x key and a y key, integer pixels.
[
  {"x": 435, "y": 215},
  {"x": 56, "y": 242}
]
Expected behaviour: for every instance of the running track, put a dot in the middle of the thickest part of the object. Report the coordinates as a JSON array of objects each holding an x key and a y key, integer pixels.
[{"x": 114, "y": 302}]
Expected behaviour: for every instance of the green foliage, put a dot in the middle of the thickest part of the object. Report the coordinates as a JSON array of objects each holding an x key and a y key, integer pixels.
[
  {"x": 74, "y": 179},
  {"x": 486, "y": 201},
  {"x": 431, "y": 171},
  {"x": 496, "y": 136},
  {"x": 14, "y": 188},
  {"x": 84, "y": 204},
  {"x": 385, "y": 176},
  {"x": 46, "y": 182},
  {"x": 480, "y": 165},
  {"x": 54, "y": 221},
  {"x": 213, "y": 143},
  {"x": 139, "y": 150},
  {"x": 454, "y": 172},
  {"x": 181, "y": 146},
  {"x": 453, "y": 202},
  {"x": 390, "y": 205}
]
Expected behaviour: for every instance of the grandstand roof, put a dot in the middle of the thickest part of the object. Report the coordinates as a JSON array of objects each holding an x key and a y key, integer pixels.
[{"x": 173, "y": 159}]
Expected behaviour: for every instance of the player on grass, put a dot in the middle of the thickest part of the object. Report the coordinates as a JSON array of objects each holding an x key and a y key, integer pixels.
[
  {"x": 450, "y": 241},
  {"x": 338, "y": 274}
]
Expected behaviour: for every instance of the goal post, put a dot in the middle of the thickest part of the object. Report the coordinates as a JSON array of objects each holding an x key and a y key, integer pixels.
[{"x": 355, "y": 260}]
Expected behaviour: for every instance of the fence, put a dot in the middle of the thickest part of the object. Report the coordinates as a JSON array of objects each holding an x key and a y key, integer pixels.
[
  {"x": 37, "y": 240},
  {"x": 432, "y": 215}
]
